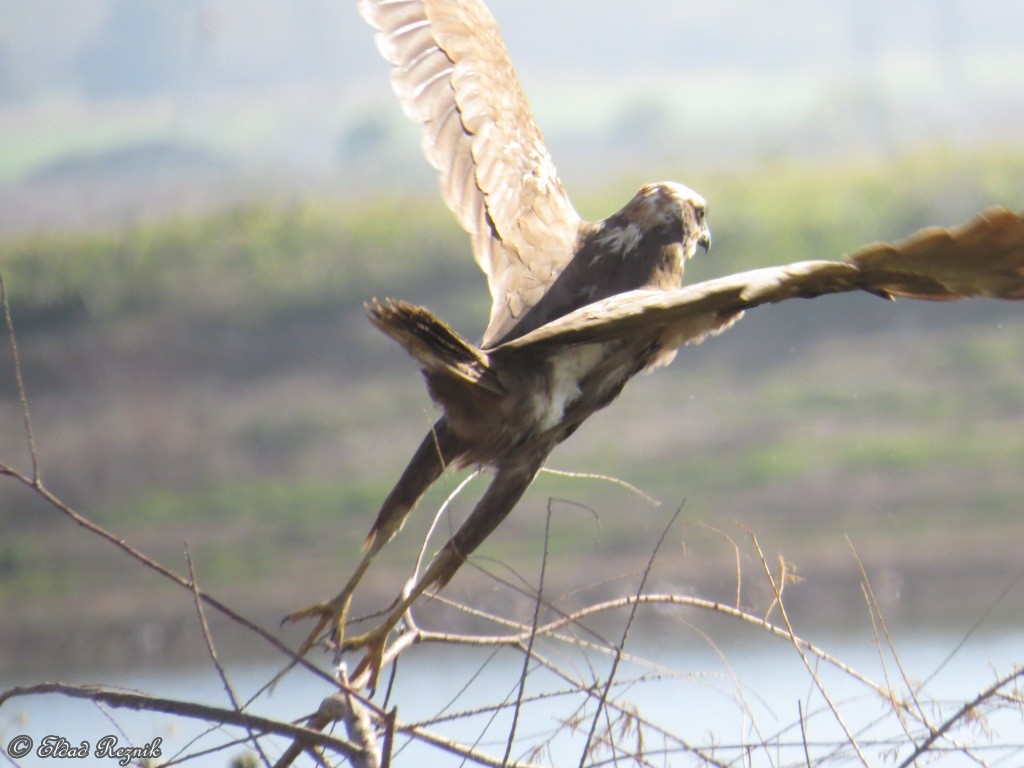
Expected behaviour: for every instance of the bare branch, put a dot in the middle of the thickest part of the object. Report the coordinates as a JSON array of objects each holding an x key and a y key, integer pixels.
[
  {"x": 84, "y": 522},
  {"x": 963, "y": 713},
  {"x": 212, "y": 651},
  {"x": 343, "y": 707},
  {"x": 145, "y": 702},
  {"x": 459, "y": 750},
  {"x": 12, "y": 340}
]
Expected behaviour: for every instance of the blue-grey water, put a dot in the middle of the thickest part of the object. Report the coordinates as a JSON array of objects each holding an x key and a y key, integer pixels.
[{"x": 712, "y": 699}]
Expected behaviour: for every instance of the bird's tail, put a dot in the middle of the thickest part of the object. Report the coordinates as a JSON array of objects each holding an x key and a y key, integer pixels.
[{"x": 441, "y": 352}]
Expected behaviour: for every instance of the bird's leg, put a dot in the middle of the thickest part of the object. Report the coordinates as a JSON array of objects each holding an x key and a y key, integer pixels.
[
  {"x": 435, "y": 452},
  {"x": 375, "y": 641},
  {"x": 498, "y": 500},
  {"x": 334, "y": 612}
]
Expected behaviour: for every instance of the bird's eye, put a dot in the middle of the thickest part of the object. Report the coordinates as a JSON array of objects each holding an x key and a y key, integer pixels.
[{"x": 700, "y": 214}]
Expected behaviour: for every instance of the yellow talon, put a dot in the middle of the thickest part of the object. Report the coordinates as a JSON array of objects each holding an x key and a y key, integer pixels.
[
  {"x": 333, "y": 614},
  {"x": 374, "y": 642}
]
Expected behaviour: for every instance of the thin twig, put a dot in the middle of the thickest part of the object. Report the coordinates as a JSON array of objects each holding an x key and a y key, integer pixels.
[
  {"x": 528, "y": 656},
  {"x": 738, "y": 686},
  {"x": 874, "y": 614},
  {"x": 737, "y": 552},
  {"x": 962, "y": 713},
  {"x": 605, "y": 478},
  {"x": 803, "y": 733},
  {"x": 589, "y": 690},
  {"x": 12, "y": 340},
  {"x": 569, "y": 620},
  {"x": 211, "y": 650},
  {"x": 877, "y": 611},
  {"x": 592, "y": 692},
  {"x": 178, "y": 759},
  {"x": 625, "y": 634},
  {"x": 486, "y": 709},
  {"x": 454, "y": 748},
  {"x": 978, "y": 623},
  {"x": 650, "y": 599},
  {"x": 84, "y": 522},
  {"x": 437, "y": 518},
  {"x": 800, "y": 652}
]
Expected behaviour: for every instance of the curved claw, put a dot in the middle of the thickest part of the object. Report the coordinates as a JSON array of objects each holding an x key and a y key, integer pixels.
[
  {"x": 333, "y": 614},
  {"x": 374, "y": 642}
]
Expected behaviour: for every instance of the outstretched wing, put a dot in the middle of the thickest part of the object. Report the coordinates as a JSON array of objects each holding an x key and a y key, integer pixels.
[
  {"x": 983, "y": 258},
  {"x": 452, "y": 73}
]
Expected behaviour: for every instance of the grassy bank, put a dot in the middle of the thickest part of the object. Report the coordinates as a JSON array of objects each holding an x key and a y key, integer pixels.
[{"x": 259, "y": 263}]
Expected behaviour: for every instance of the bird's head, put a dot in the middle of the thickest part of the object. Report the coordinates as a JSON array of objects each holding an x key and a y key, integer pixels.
[{"x": 673, "y": 212}]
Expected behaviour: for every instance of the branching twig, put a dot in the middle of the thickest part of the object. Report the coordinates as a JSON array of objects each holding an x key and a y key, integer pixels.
[
  {"x": 961, "y": 714},
  {"x": 43, "y": 492},
  {"x": 777, "y": 588}
]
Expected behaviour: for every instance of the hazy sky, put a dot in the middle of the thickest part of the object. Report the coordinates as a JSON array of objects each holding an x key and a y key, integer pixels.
[{"x": 298, "y": 85}]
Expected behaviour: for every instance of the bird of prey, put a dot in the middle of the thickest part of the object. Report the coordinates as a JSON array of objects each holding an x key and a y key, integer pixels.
[{"x": 579, "y": 307}]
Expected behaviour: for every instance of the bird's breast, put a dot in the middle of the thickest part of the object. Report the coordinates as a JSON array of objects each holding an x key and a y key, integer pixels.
[{"x": 569, "y": 378}]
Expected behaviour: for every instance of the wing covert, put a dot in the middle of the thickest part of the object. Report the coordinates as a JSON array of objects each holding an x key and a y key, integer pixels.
[
  {"x": 452, "y": 74},
  {"x": 983, "y": 258}
]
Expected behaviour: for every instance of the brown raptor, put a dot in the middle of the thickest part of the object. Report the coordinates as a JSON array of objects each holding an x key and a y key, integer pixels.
[{"x": 578, "y": 307}]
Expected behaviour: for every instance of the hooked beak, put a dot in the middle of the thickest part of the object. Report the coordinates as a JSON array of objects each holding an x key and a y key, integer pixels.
[{"x": 704, "y": 239}]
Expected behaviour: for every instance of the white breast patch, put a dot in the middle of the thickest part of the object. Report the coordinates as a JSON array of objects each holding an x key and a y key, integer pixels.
[{"x": 568, "y": 368}]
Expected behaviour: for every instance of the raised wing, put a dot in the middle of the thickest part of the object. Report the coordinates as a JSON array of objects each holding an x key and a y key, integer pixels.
[
  {"x": 983, "y": 258},
  {"x": 453, "y": 75}
]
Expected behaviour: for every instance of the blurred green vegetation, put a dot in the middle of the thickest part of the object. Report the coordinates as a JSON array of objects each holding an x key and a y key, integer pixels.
[
  {"x": 260, "y": 263},
  {"x": 252, "y": 265}
]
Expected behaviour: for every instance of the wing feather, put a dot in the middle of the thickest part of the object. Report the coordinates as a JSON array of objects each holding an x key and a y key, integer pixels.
[
  {"x": 984, "y": 258},
  {"x": 452, "y": 73}
]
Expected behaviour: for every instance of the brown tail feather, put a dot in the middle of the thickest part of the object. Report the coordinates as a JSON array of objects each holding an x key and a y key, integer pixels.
[{"x": 438, "y": 348}]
